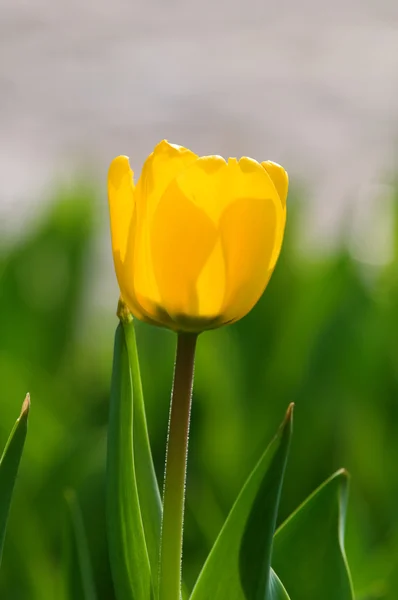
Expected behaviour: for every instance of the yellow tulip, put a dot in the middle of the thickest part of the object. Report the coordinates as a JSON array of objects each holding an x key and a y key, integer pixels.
[{"x": 196, "y": 240}]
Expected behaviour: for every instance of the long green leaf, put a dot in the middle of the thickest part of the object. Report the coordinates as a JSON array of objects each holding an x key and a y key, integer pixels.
[
  {"x": 9, "y": 465},
  {"x": 276, "y": 588},
  {"x": 309, "y": 551},
  {"x": 238, "y": 567},
  {"x": 126, "y": 539},
  {"x": 148, "y": 489},
  {"x": 79, "y": 579}
]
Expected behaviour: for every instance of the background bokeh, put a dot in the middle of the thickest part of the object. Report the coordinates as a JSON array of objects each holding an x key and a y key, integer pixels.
[{"x": 312, "y": 86}]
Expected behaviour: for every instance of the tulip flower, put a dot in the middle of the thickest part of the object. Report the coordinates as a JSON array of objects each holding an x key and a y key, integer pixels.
[
  {"x": 196, "y": 240},
  {"x": 194, "y": 244}
]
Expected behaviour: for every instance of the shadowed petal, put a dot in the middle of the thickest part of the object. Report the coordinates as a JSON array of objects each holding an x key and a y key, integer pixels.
[{"x": 182, "y": 240}]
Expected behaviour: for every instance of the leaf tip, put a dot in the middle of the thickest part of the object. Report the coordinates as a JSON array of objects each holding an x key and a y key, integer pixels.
[
  {"x": 344, "y": 473},
  {"x": 289, "y": 413},
  {"x": 288, "y": 420},
  {"x": 25, "y": 406}
]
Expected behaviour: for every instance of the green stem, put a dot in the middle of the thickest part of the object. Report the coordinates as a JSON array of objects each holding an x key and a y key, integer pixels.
[{"x": 175, "y": 475}]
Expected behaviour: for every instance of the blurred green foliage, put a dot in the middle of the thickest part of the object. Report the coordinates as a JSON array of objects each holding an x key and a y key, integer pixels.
[{"x": 324, "y": 335}]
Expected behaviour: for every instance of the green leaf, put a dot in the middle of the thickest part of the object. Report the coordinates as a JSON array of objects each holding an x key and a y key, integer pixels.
[
  {"x": 276, "y": 589},
  {"x": 79, "y": 580},
  {"x": 309, "y": 551},
  {"x": 238, "y": 567},
  {"x": 9, "y": 465},
  {"x": 127, "y": 547},
  {"x": 148, "y": 489}
]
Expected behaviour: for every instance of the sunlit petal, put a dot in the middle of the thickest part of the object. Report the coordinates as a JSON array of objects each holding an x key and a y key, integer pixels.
[
  {"x": 279, "y": 178},
  {"x": 182, "y": 240}
]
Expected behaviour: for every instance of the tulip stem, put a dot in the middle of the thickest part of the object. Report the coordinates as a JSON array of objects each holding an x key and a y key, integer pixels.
[{"x": 175, "y": 473}]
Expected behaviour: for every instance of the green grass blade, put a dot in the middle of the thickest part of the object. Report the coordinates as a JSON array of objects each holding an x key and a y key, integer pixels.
[
  {"x": 238, "y": 567},
  {"x": 9, "y": 465},
  {"x": 79, "y": 579},
  {"x": 309, "y": 551},
  {"x": 148, "y": 489},
  {"x": 127, "y": 547}
]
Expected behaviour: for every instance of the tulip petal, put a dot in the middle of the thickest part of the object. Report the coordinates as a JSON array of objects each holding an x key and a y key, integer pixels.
[
  {"x": 212, "y": 183},
  {"x": 121, "y": 208},
  {"x": 241, "y": 200},
  {"x": 159, "y": 170},
  {"x": 182, "y": 240},
  {"x": 250, "y": 230},
  {"x": 211, "y": 284},
  {"x": 121, "y": 204},
  {"x": 279, "y": 178},
  {"x": 205, "y": 183}
]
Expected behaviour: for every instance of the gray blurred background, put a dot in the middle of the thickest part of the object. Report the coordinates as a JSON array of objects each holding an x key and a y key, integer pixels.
[{"x": 312, "y": 85}]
